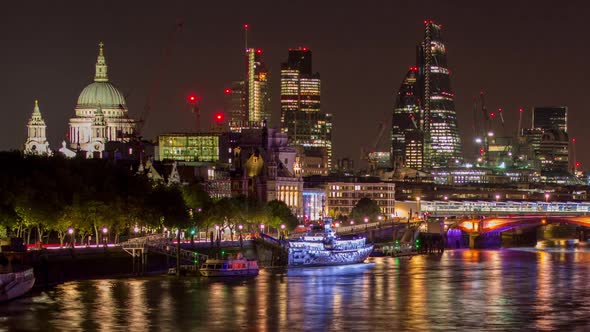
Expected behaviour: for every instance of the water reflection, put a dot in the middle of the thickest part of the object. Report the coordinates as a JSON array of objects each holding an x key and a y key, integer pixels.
[{"x": 462, "y": 289}]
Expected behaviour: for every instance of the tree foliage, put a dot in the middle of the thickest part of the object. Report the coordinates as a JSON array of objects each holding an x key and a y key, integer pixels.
[
  {"x": 39, "y": 195},
  {"x": 365, "y": 208}
]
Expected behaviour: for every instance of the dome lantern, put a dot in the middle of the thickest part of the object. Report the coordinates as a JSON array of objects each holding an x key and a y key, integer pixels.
[{"x": 101, "y": 66}]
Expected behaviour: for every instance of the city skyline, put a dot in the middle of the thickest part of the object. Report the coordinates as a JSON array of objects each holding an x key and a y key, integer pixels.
[{"x": 61, "y": 64}]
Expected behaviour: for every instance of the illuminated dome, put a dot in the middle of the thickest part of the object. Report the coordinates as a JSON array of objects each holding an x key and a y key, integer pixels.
[{"x": 101, "y": 93}]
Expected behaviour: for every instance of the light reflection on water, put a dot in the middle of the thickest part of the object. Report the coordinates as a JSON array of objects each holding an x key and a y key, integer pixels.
[{"x": 464, "y": 289}]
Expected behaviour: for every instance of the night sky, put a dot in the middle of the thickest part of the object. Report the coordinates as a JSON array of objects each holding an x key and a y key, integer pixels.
[{"x": 522, "y": 53}]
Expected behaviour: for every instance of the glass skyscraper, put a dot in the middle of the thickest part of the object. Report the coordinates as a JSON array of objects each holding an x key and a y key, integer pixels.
[
  {"x": 301, "y": 117},
  {"x": 248, "y": 101},
  {"x": 427, "y": 90}
]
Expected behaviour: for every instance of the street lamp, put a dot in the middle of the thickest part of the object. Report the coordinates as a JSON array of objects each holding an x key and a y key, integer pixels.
[
  {"x": 497, "y": 197},
  {"x": 418, "y": 205},
  {"x": 240, "y": 230},
  {"x": 282, "y": 230},
  {"x": 262, "y": 228},
  {"x": 546, "y": 197},
  {"x": 104, "y": 238},
  {"x": 367, "y": 219},
  {"x": 71, "y": 232}
]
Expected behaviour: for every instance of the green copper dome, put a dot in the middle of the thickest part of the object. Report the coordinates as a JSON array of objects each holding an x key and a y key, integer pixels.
[{"x": 101, "y": 93}]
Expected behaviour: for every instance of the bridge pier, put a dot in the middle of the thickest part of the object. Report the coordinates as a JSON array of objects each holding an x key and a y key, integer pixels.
[{"x": 472, "y": 240}]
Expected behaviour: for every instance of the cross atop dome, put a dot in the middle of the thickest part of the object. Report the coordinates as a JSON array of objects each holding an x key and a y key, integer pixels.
[{"x": 101, "y": 65}]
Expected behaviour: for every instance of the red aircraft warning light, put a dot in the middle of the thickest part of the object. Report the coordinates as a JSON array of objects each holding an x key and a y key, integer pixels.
[
  {"x": 227, "y": 91},
  {"x": 192, "y": 99},
  {"x": 219, "y": 117}
]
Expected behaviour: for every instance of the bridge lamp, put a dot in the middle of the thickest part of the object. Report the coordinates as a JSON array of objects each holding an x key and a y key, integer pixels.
[
  {"x": 546, "y": 197},
  {"x": 446, "y": 198}
]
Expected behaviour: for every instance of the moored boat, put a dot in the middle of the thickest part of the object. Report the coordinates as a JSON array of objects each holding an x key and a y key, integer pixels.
[
  {"x": 238, "y": 267},
  {"x": 327, "y": 250},
  {"x": 15, "y": 283}
]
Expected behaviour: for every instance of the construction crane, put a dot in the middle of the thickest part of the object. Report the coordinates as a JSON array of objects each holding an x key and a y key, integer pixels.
[
  {"x": 367, "y": 155},
  {"x": 154, "y": 91}
]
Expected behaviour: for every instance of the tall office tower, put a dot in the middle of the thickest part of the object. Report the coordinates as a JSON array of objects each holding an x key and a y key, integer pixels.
[
  {"x": 236, "y": 102},
  {"x": 405, "y": 114},
  {"x": 549, "y": 138},
  {"x": 301, "y": 117},
  {"x": 257, "y": 87},
  {"x": 438, "y": 117},
  {"x": 425, "y": 103},
  {"x": 550, "y": 118},
  {"x": 248, "y": 101}
]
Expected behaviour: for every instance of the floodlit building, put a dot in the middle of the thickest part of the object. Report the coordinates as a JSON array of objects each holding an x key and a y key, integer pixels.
[
  {"x": 37, "y": 143},
  {"x": 426, "y": 102},
  {"x": 248, "y": 100},
  {"x": 203, "y": 147},
  {"x": 301, "y": 117},
  {"x": 341, "y": 197},
  {"x": 100, "y": 114}
]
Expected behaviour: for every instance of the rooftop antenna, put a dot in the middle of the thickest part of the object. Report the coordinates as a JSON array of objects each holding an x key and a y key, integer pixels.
[
  {"x": 519, "y": 130},
  {"x": 246, "y": 35}
]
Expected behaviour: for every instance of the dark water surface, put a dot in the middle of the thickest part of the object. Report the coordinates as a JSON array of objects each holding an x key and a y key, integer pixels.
[{"x": 460, "y": 290}]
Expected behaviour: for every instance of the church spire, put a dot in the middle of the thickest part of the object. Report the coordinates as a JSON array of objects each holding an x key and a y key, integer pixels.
[
  {"x": 36, "y": 110},
  {"x": 101, "y": 66}
]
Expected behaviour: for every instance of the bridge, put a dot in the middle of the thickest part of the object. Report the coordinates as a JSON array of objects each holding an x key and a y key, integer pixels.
[
  {"x": 477, "y": 218},
  {"x": 487, "y": 208}
]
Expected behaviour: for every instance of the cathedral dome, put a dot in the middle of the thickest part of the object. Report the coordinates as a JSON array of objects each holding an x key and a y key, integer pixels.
[{"x": 101, "y": 93}]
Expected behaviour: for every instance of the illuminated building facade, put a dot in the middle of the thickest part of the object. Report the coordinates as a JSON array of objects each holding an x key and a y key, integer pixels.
[
  {"x": 314, "y": 200},
  {"x": 101, "y": 114},
  {"x": 204, "y": 147},
  {"x": 414, "y": 149},
  {"x": 341, "y": 197},
  {"x": 548, "y": 138},
  {"x": 301, "y": 117},
  {"x": 405, "y": 114},
  {"x": 236, "y": 102},
  {"x": 248, "y": 101},
  {"x": 37, "y": 143},
  {"x": 427, "y": 88},
  {"x": 547, "y": 118}
]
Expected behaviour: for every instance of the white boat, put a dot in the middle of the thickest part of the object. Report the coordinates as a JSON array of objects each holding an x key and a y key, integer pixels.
[
  {"x": 327, "y": 250},
  {"x": 15, "y": 283},
  {"x": 239, "y": 267}
]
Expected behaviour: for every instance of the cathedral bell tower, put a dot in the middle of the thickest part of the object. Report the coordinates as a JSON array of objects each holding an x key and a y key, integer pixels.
[{"x": 36, "y": 138}]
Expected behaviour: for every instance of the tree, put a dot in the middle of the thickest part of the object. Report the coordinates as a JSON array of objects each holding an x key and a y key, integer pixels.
[
  {"x": 279, "y": 213},
  {"x": 365, "y": 208}
]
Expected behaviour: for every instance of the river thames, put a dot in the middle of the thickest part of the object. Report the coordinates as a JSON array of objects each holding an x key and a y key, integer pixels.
[{"x": 509, "y": 289}]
